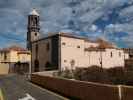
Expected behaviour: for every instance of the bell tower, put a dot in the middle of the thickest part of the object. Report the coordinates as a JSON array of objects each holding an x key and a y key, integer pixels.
[{"x": 33, "y": 33}]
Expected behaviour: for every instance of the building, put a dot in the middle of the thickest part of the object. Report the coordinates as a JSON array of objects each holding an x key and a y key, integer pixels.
[
  {"x": 13, "y": 59},
  {"x": 129, "y": 51},
  {"x": 67, "y": 51},
  {"x": 129, "y": 62}
]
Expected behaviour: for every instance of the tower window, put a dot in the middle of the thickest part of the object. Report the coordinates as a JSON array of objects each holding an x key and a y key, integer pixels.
[
  {"x": 36, "y": 20},
  {"x": 35, "y": 34}
]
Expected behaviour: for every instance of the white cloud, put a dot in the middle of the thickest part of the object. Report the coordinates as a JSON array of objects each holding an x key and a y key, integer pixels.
[
  {"x": 55, "y": 15},
  {"x": 93, "y": 28}
]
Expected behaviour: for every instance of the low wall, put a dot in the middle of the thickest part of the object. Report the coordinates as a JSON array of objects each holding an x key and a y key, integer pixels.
[
  {"x": 127, "y": 93},
  {"x": 77, "y": 89}
]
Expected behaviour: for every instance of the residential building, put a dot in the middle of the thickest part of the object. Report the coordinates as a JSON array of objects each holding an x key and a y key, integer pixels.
[
  {"x": 129, "y": 51},
  {"x": 14, "y": 58}
]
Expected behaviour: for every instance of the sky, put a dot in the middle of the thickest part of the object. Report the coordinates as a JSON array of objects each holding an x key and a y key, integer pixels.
[{"x": 108, "y": 19}]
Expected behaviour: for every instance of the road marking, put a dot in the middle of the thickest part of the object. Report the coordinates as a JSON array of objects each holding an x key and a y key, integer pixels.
[
  {"x": 28, "y": 97},
  {"x": 1, "y": 95}
]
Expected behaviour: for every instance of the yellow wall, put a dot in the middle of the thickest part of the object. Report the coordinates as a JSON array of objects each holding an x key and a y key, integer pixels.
[
  {"x": 13, "y": 56},
  {"x": 4, "y": 68},
  {"x": 24, "y": 57}
]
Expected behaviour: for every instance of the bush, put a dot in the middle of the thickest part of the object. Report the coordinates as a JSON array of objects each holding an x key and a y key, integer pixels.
[
  {"x": 129, "y": 78},
  {"x": 66, "y": 74},
  {"x": 93, "y": 74},
  {"x": 116, "y": 75}
]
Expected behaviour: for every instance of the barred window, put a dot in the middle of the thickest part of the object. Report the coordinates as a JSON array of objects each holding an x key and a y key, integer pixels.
[
  {"x": 119, "y": 54},
  {"x": 63, "y": 43},
  {"x": 78, "y": 46},
  {"x": 111, "y": 54}
]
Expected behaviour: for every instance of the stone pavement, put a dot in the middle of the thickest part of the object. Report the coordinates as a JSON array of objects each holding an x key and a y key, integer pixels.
[{"x": 18, "y": 88}]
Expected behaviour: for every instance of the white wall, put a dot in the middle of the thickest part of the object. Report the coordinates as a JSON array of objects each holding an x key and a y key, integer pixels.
[
  {"x": 116, "y": 59},
  {"x": 13, "y": 56},
  {"x": 70, "y": 51},
  {"x": 83, "y": 58},
  {"x": 24, "y": 57}
]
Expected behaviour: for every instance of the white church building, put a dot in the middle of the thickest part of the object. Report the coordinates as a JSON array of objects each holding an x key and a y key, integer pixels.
[{"x": 60, "y": 51}]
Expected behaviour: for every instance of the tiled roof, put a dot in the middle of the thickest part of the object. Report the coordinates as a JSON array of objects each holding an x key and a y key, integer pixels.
[
  {"x": 23, "y": 52},
  {"x": 13, "y": 48},
  {"x": 104, "y": 44},
  {"x": 94, "y": 49}
]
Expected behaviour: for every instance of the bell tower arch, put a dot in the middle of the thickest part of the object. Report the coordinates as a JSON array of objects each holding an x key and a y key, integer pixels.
[{"x": 33, "y": 33}]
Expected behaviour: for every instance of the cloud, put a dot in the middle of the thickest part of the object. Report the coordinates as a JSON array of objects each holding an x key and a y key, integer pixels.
[{"x": 63, "y": 15}]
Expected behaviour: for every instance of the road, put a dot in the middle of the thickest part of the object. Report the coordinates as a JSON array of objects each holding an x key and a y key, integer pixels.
[{"x": 18, "y": 88}]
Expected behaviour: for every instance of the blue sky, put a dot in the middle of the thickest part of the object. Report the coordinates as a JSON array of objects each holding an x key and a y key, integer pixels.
[{"x": 108, "y": 19}]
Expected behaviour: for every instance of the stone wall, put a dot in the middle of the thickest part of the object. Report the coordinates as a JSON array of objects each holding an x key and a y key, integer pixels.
[
  {"x": 76, "y": 89},
  {"x": 84, "y": 90}
]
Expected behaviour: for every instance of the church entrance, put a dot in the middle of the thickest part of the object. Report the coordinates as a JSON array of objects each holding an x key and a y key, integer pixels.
[{"x": 36, "y": 66}]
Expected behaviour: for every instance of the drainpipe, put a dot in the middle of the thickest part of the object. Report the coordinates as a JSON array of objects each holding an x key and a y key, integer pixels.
[
  {"x": 120, "y": 92},
  {"x": 30, "y": 70},
  {"x": 59, "y": 52},
  {"x": 30, "y": 64}
]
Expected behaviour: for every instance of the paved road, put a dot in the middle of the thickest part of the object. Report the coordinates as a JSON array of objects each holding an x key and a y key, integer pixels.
[{"x": 17, "y": 88}]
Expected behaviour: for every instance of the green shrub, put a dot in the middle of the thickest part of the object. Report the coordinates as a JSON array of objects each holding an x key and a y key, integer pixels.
[
  {"x": 93, "y": 74},
  {"x": 116, "y": 75}
]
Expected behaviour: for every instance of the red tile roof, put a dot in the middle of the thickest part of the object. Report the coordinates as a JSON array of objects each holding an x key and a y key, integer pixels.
[
  {"x": 13, "y": 48},
  {"x": 104, "y": 44}
]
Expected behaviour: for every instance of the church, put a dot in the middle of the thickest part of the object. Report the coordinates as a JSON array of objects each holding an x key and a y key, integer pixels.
[{"x": 60, "y": 51}]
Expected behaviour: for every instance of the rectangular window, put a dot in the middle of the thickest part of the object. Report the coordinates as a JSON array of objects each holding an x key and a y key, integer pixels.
[
  {"x": 36, "y": 47},
  {"x": 5, "y": 56},
  {"x": 47, "y": 47},
  {"x": 119, "y": 54},
  {"x": 111, "y": 54},
  {"x": 65, "y": 60},
  {"x": 78, "y": 46},
  {"x": 63, "y": 43}
]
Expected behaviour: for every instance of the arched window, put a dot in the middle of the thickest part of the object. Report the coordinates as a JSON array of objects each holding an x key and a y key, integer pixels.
[
  {"x": 47, "y": 47},
  {"x": 36, "y": 50},
  {"x": 36, "y": 65},
  {"x": 48, "y": 66}
]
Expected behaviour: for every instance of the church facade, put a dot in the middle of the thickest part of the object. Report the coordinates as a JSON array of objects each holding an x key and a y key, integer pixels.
[{"x": 60, "y": 51}]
